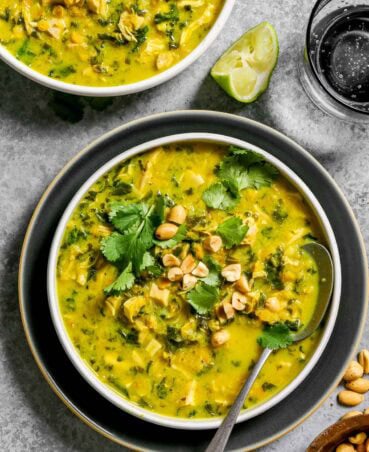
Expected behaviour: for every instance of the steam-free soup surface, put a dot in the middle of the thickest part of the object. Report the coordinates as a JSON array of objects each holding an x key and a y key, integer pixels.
[
  {"x": 101, "y": 42},
  {"x": 183, "y": 347}
]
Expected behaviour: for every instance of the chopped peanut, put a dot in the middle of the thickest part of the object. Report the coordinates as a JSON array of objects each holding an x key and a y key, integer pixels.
[
  {"x": 189, "y": 282},
  {"x": 170, "y": 260},
  {"x": 201, "y": 270},
  {"x": 219, "y": 338},
  {"x": 175, "y": 274},
  {"x": 213, "y": 243},
  {"x": 188, "y": 264},
  {"x": 232, "y": 272}
]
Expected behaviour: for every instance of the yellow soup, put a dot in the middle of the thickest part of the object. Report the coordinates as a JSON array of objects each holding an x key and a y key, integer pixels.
[
  {"x": 172, "y": 267},
  {"x": 101, "y": 42}
]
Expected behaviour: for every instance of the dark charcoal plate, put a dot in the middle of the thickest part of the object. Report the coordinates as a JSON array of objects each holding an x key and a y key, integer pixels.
[{"x": 92, "y": 408}]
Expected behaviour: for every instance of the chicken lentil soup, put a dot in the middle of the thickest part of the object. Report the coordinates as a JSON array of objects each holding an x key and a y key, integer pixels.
[
  {"x": 101, "y": 42},
  {"x": 177, "y": 266}
]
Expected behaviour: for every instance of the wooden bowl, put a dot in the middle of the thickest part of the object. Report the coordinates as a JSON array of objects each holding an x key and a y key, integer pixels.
[{"x": 338, "y": 433}]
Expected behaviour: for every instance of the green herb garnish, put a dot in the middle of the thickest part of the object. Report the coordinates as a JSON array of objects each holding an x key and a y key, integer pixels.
[
  {"x": 128, "y": 246},
  {"x": 203, "y": 298},
  {"x": 239, "y": 170},
  {"x": 232, "y": 231},
  {"x": 219, "y": 196},
  {"x": 275, "y": 337}
]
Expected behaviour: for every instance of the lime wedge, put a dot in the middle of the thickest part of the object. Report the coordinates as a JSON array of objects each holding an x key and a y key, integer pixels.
[{"x": 245, "y": 68}]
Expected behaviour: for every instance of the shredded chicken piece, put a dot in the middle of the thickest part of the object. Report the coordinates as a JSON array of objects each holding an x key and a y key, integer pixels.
[
  {"x": 97, "y": 6},
  {"x": 26, "y": 13},
  {"x": 56, "y": 28},
  {"x": 205, "y": 19},
  {"x": 128, "y": 24}
]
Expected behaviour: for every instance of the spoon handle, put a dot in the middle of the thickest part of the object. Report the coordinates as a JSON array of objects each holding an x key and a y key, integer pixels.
[{"x": 220, "y": 439}]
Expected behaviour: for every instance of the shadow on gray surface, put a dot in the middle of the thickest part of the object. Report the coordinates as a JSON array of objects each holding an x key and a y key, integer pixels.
[{"x": 55, "y": 422}]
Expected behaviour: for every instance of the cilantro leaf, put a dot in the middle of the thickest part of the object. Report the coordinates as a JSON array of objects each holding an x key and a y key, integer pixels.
[
  {"x": 203, "y": 298},
  {"x": 232, "y": 231},
  {"x": 275, "y": 336},
  {"x": 128, "y": 216},
  {"x": 113, "y": 247},
  {"x": 220, "y": 196},
  {"x": 213, "y": 278},
  {"x": 246, "y": 169},
  {"x": 150, "y": 265},
  {"x": 158, "y": 214},
  {"x": 181, "y": 235},
  {"x": 124, "y": 281}
]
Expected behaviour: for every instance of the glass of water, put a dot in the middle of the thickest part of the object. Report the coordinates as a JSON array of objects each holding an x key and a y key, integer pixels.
[{"x": 335, "y": 68}]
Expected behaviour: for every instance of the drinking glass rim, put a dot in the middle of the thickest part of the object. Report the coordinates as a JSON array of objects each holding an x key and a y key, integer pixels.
[{"x": 318, "y": 6}]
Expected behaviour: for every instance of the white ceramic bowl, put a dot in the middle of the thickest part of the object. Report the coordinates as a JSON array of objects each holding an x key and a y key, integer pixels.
[
  {"x": 85, "y": 370},
  {"x": 130, "y": 88}
]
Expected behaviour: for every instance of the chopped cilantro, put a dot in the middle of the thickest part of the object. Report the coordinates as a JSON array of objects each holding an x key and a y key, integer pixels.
[
  {"x": 273, "y": 266},
  {"x": 128, "y": 247},
  {"x": 203, "y": 297},
  {"x": 246, "y": 169},
  {"x": 219, "y": 196},
  {"x": 124, "y": 281},
  {"x": 232, "y": 231},
  {"x": 161, "y": 389},
  {"x": 213, "y": 278},
  {"x": 275, "y": 336},
  {"x": 141, "y": 36},
  {"x": 171, "y": 16},
  {"x": 279, "y": 213},
  {"x": 267, "y": 386}
]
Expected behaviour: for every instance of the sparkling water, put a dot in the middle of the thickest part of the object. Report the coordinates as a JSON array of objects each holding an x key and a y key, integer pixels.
[{"x": 340, "y": 50}]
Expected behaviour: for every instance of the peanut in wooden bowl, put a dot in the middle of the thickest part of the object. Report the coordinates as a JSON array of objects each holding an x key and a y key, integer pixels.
[{"x": 338, "y": 433}]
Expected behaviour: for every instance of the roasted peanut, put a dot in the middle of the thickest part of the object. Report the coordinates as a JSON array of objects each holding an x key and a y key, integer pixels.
[
  {"x": 350, "y": 398},
  {"x": 364, "y": 360},
  {"x": 166, "y": 231},
  {"x": 243, "y": 285},
  {"x": 170, "y": 260},
  {"x": 201, "y": 270},
  {"x": 353, "y": 371},
  {"x": 232, "y": 272},
  {"x": 351, "y": 414},
  {"x": 273, "y": 304},
  {"x": 188, "y": 264},
  {"x": 175, "y": 274},
  {"x": 228, "y": 310},
  {"x": 177, "y": 215},
  {"x": 219, "y": 338},
  {"x": 213, "y": 243},
  {"x": 359, "y": 438},
  {"x": 345, "y": 447},
  {"x": 189, "y": 282},
  {"x": 239, "y": 301},
  {"x": 360, "y": 385}
]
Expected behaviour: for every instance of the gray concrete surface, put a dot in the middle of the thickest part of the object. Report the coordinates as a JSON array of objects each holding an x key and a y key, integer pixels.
[{"x": 34, "y": 146}]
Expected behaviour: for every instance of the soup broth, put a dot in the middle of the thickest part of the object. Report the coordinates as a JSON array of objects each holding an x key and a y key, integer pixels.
[
  {"x": 104, "y": 43},
  {"x": 174, "y": 326}
]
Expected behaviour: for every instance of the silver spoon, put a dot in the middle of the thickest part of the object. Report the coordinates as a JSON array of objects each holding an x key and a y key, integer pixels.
[{"x": 325, "y": 267}]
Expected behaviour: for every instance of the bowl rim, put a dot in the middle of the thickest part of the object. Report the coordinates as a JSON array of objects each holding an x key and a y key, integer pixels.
[
  {"x": 109, "y": 393},
  {"x": 130, "y": 88}
]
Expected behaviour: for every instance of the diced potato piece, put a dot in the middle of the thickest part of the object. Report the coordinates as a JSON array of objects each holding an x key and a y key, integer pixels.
[
  {"x": 153, "y": 347},
  {"x": 160, "y": 295}
]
